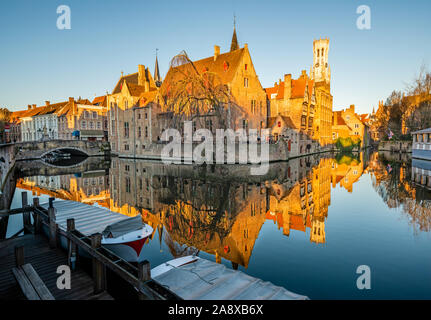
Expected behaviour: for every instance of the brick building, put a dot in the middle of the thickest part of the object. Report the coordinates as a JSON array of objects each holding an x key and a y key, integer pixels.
[{"x": 131, "y": 113}]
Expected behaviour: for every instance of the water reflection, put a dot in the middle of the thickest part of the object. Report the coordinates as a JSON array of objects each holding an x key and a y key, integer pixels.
[{"x": 221, "y": 210}]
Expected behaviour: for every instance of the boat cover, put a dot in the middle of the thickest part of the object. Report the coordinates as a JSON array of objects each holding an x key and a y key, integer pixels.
[
  {"x": 88, "y": 219},
  {"x": 207, "y": 280},
  {"x": 122, "y": 227}
]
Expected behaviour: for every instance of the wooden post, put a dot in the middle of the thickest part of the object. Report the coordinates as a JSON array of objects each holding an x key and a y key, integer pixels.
[
  {"x": 144, "y": 274},
  {"x": 25, "y": 215},
  {"x": 52, "y": 228},
  {"x": 51, "y": 202},
  {"x": 99, "y": 269},
  {"x": 71, "y": 246},
  {"x": 19, "y": 256},
  {"x": 36, "y": 217}
]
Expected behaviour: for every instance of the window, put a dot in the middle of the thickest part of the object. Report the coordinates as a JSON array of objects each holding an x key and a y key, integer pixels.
[
  {"x": 127, "y": 167},
  {"x": 126, "y": 147},
  {"x": 244, "y": 124},
  {"x": 139, "y": 132},
  {"x": 91, "y": 124},
  {"x": 245, "y": 82},
  {"x": 86, "y": 115},
  {"x": 127, "y": 184},
  {"x": 139, "y": 115},
  {"x": 83, "y": 124},
  {"x": 146, "y": 116},
  {"x": 126, "y": 104},
  {"x": 94, "y": 115},
  {"x": 146, "y": 132},
  {"x": 126, "y": 129},
  {"x": 253, "y": 106},
  {"x": 245, "y": 67},
  {"x": 113, "y": 126},
  {"x": 209, "y": 125}
]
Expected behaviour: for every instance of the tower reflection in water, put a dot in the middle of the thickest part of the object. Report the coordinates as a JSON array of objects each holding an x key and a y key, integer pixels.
[{"x": 221, "y": 210}]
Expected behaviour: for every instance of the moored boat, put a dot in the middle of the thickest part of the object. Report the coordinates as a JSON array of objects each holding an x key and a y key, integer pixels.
[{"x": 123, "y": 235}]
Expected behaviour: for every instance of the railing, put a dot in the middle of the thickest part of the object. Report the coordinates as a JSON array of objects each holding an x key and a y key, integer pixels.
[{"x": 138, "y": 276}]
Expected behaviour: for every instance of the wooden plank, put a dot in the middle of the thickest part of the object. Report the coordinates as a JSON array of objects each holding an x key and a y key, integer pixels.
[
  {"x": 25, "y": 284},
  {"x": 19, "y": 255},
  {"x": 37, "y": 283}
]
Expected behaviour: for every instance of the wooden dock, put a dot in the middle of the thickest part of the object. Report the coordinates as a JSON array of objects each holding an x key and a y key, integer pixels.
[
  {"x": 45, "y": 255},
  {"x": 45, "y": 261}
]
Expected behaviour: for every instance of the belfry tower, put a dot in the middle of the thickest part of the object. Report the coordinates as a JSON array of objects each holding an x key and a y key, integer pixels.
[{"x": 321, "y": 71}]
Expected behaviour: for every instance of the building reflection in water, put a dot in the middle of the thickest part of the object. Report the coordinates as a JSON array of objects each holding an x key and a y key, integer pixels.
[{"x": 221, "y": 211}]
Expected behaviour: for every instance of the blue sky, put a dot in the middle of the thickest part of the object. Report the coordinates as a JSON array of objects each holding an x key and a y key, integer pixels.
[{"x": 39, "y": 62}]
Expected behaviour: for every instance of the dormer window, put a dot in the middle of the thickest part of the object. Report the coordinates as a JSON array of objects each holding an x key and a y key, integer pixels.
[{"x": 245, "y": 67}]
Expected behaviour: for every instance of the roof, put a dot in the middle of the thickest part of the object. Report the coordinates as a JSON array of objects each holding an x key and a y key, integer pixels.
[
  {"x": 340, "y": 120},
  {"x": 130, "y": 78},
  {"x": 297, "y": 89},
  {"x": 287, "y": 120},
  {"x": 225, "y": 67},
  {"x": 194, "y": 278},
  {"x": 133, "y": 78},
  {"x": 135, "y": 89},
  {"x": 52, "y": 108},
  {"x": 99, "y": 101},
  {"x": 147, "y": 97},
  {"x": 428, "y": 130}
]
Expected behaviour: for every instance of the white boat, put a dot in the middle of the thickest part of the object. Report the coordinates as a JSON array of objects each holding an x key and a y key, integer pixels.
[
  {"x": 128, "y": 240},
  {"x": 123, "y": 235}
]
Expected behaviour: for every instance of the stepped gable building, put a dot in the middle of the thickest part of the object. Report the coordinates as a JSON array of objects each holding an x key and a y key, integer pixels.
[
  {"x": 131, "y": 112},
  {"x": 346, "y": 123},
  {"x": 83, "y": 120},
  {"x": 295, "y": 98},
  {"x": 307, "y": 100},
  {"x": 236, "y": 71}
]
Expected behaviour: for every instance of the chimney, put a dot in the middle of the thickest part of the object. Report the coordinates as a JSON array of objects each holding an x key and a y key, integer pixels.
[
  {"x": 287, "y": 86},
  {"x": 147, "y": 86},
  {"x": 71, "y": 99},
  {"x": 216, "y": 52},
  {"x": 303, "y": 73},
  {"x": 246, "y": 46},
  {"x": 29, "y": 107},
  {"x": 47, "y": 103},
  {"x": 141, "y": 75},
  {"x": 33, "y": 106},
  {"x": 352, "y": 108}
]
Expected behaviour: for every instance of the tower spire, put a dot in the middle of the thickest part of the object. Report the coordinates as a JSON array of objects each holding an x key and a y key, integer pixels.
[
  {"x": 234, "y": 44},
  {"x": 157, "y": 78}
]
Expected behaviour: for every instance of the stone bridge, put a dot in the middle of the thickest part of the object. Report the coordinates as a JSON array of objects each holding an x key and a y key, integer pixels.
[{"x": 37, "y": 149}]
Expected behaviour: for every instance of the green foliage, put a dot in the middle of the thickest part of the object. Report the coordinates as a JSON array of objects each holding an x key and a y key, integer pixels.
[
  {"x": 348, "y": 144},
  {"x": 347, "y": 158}
]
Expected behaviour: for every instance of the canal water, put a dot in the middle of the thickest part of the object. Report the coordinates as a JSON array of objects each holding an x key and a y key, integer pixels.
[{"x": 307, "y": 225}]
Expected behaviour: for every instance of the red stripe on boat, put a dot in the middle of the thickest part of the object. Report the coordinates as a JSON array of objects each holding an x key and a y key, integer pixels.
[{"x": 137, "y": 245}]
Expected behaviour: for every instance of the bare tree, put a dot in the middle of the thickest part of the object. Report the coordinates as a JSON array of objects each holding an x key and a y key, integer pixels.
[{"x": 190, "y": 95}]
